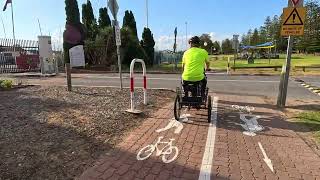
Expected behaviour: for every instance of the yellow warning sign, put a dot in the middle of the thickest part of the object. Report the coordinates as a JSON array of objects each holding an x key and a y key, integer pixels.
[{"x": 293, "y": 21}]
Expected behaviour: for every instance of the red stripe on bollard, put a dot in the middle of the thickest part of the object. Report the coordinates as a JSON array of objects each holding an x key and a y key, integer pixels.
[
  {"x": 145, "y": 82},
  {"x": 132, "y": 85}
]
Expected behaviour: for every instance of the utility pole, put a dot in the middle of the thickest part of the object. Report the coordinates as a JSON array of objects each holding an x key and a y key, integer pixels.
[
  {"x": 284, "y": 79},
  {"x": 147, "y": 13}
]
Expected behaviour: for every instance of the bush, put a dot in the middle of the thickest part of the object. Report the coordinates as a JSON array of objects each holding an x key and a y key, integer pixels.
[{"x": 6, "y": 84}]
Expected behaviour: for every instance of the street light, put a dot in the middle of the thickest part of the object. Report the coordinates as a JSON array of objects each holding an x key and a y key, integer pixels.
[{"x": 147, "y": 13}]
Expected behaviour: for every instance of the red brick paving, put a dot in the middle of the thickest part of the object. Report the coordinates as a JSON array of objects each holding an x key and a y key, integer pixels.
[
  {"x": 236, "y": 156},
  {"x": 122, "y": 162}
]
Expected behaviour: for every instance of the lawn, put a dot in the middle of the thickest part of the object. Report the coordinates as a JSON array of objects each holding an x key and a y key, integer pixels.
[
  {"x": 311, "y": 120},
  {"x": 220, "y": 62}
]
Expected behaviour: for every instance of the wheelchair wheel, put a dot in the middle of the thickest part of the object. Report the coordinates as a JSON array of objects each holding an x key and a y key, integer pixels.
[
  {"x": 177, "y": 108},
  {"x": 209, "y": 109}
]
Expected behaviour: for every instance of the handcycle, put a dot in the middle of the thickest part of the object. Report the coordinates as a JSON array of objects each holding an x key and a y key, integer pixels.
[{"x": 190, "y": 95}]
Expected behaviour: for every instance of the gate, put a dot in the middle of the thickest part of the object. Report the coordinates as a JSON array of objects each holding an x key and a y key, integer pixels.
[{"x": 19, "y": 56}]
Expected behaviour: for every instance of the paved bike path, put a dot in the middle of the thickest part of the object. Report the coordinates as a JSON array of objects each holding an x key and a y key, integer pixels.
[
  {"x": 243, "y": 145},
  {"x": 260, "y": 144},
  {"x": 190, "y": 140}
]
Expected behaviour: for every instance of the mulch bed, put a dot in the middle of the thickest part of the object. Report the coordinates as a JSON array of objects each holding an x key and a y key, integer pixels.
[{"x": 49, "y": 133}]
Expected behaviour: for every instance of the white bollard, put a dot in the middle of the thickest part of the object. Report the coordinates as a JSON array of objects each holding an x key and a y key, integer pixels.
[{"x": 145, "y": 102}]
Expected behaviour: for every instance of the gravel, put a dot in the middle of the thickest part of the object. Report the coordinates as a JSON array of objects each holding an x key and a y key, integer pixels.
[{"x": 49, "y": 133}]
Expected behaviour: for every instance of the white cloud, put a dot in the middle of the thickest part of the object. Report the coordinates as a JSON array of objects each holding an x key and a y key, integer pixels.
[
  {"x": 219, "y": 37},
  {"x": 166, "y": 42}
]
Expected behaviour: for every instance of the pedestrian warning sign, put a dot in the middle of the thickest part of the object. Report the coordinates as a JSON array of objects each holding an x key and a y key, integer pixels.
[{"x": 293, "y": 21}]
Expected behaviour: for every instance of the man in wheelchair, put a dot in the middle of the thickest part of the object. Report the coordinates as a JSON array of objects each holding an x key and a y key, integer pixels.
[{"x": 194, "y": 63}]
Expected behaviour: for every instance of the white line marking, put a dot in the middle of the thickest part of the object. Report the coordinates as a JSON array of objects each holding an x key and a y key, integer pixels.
[
  {"x": 266, "y": 159},
  {"x": 207, "y": 160}
]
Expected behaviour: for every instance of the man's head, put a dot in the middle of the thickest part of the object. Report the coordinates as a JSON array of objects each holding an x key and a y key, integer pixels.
[{"x": 194, "y": 41}]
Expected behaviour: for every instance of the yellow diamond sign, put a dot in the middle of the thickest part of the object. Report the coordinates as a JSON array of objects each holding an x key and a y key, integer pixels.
[{"x": 293, "y": 21}]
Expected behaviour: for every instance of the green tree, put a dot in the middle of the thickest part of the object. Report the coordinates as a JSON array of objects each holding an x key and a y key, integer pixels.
[
  {"x": 104, "y": 19},
  {"x": 89, "y": 20},
  {"x": 216, "y": 47},
  {"x": 148, "y": 44},
  {"x": 249, "y": 35},
  {"x": 130, "y": 46},
  {"x": 175, "y": 40},
  {"x": 130, "y": 22},
  {"x": 255, "y": 37},
  {"x": 309, "y": 41},
  {"x": 206, "y": 42},
  {"x": 102, "y": 50},
  {"x": 263, "y": 35},
  {"x": 267, "y": 30},
  {"x": 72, "y": 18},
  {"x": 72, "y": 12},
  {"x": 227, "y": 46}
]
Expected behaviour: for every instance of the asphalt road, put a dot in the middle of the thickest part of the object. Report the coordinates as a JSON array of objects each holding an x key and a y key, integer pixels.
[
  {"x": 235, "y": 85},
  {"x": 313, "y": 80}
]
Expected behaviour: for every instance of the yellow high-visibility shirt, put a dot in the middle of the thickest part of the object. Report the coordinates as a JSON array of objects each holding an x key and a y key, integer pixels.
[{"x": 194, "y": 61}]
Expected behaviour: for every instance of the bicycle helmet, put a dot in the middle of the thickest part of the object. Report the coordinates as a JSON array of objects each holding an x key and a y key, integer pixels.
[{"x": 195, "y": 40}]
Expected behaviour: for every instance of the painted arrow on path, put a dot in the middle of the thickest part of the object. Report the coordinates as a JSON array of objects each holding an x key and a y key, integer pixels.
[{"x": 266, "y": 159}]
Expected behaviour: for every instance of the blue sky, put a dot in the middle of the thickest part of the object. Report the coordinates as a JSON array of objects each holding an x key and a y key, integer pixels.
[{"x": 220, "y": 18}]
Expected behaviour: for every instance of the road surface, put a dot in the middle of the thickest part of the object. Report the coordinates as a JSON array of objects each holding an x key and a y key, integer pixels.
[{"x": 233, "y": 85}]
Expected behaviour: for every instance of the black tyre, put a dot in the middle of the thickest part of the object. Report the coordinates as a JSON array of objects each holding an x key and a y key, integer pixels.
[
  {"x": 209, "y": 109},
  {"x": 177, "y": 108}
]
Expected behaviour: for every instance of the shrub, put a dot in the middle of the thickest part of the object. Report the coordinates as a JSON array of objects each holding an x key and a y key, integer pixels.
[{"x": 6, "y": 84}]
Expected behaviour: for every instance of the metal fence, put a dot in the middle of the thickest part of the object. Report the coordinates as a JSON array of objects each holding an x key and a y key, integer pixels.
[
  {"x": 164, "y": 57},
  {"x": 19, "y": 56}
]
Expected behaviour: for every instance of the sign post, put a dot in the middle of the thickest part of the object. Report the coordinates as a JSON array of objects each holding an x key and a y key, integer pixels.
[
  {"x": 292, "y": 25},
  {"x": 235, "y": 44},
  {"x": 114, "y": 8}
]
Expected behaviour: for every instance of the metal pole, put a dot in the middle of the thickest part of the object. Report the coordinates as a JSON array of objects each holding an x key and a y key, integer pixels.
[
  {"x": 119, "y": 57},
  {"x": 40, "y": 27},
  {"x": 4, "y": 29},
  {"x": 13, "y": 31},
  {"x": 147, "y": 13},
  {"x": 283, "y": 88}
]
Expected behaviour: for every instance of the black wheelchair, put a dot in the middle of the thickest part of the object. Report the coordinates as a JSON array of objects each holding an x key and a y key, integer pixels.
[{"x": 191, "y": 95}]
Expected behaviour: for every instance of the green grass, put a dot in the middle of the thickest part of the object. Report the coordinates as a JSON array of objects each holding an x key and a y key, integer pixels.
[
  {"x": 311, "y": 120},
  {"x": 297, "y": 60}
]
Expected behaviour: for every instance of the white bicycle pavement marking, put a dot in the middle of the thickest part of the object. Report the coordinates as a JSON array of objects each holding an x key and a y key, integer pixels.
[
  {"x": 178, "y": 126},
  {"x": 247, "y": 109},
  {"x": 251, "y": 125},
  {"x": 168, "y": 149},
  {"x": 266, "y": 159},
  {"x": 207, "y": 160}
]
